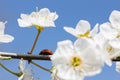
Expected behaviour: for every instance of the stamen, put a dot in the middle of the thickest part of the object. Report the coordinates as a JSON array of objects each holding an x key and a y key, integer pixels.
[
  {"x": 109, "y": 49},
  {"x": 76, "y": 61},
  {"x": 86, "y": 34}
]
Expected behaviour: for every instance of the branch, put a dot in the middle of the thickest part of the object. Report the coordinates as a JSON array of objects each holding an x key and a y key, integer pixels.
[
  {"x": 25, "y": 56},
  {"x": 33, "y": 57},
  {"x": 40, "y": 66},
  {"x": 117, "y": 59}
]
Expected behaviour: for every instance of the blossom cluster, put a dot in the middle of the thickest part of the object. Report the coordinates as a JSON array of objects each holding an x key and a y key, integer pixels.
[
  {"x": 76, "y": 60},
  {"x": 92, "y": 49}
]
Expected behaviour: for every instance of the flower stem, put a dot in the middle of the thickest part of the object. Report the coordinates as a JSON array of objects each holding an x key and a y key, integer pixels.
[
  {"x": 40, "y": 66},
  {"x": 14, "y": 73},
  {"x": 35, "y": 41}
]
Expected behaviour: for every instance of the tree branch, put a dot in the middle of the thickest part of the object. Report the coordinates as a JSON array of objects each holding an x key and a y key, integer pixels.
[
  {"x": 33, "y": 57},
  {"x": 25, "y": 56}
]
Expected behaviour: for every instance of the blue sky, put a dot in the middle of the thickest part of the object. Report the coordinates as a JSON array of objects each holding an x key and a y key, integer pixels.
[{"x": 69, "y": 11}]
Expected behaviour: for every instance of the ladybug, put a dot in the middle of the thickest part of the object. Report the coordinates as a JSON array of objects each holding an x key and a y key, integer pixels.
[{"x": 46, "y": 52}]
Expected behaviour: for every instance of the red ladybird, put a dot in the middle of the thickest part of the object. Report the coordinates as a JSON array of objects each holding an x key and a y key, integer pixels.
[{"x": 46, "y": 52}]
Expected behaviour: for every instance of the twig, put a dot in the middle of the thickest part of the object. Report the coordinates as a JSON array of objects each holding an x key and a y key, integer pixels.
[
  {"x": 14, "y": 73},
  {"x": 26, "y": 56},
  {"x": 35, "y": 42},
  {"x": 40, "y": 66}
]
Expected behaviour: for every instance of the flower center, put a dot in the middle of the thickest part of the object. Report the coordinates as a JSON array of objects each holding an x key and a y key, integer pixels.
[
  {"x": 118, "y": 36},
  {"x": 86, "y": 34},
  {"x": 109, "y": 49},
  {"x": 76, "y": 61}
]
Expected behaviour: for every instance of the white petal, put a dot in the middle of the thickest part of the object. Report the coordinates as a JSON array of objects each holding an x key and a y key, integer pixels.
[
  {"x": 46, "y": 23},
  {"x": 107, "y": 31},
  {"x": 115, "y": 43},
  {"x": 83, "y": 26},
  {"x": 91, "y": 59},
  {"x": 66, "y": 47},
  {"x": 115, "y": 55},
  {"x": 26, "y": 71},
  {"x": 53, "y": 16},
  {"x": 59, "y": 60},
  {"x": 94, "y": 31},
  {"x": 82, "y": 44},
  {"x": 106, "y": 57},
  {"x": 69, "y": 74},
  {"x": 22, "y": 65},
  {"x": 118, "y": 67},
  {"x": 63, "y": 52},
  {"x": 101, "y": 42},
  {"x": 2, "y": 27},
  {"x": 6, "y": 38},
  {"x": 90, "y": 56},
  {"x": 24, "y": 21},
  {"x": 44, "y": 12},
  {"x": 71, "y": 31},
  {"x": 115, "y": 19},
  {"x": 100, "y": 39},
  {"x": 28, "y": 74}
]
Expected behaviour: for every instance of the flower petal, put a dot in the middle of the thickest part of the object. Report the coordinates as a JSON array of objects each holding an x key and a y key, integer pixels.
[
  {"x": 94, "y": 31},
  {"x": 44, "y": 12},
  {"x": 82, "y": 44},
  {"x": 6, "y": 38},
  {"x": 24, "y": 21},
  {"x": 118, "y": 67},
  {"x": 53, "y": 16},
  {"x": 63, "y": 52},
  {"x": 90, "y": 53},
  {"x": 22, "y": 64},
  {"x": 71, "y": 31},
  {"x": 67, "y": 73},
  {"x": 83, "y": 26},
  {"x": 107, "y": 31},
  {"x": 2, "y": 27},
  {"x": 115, "y": 43},
  {"x": 115, "y": 19}
]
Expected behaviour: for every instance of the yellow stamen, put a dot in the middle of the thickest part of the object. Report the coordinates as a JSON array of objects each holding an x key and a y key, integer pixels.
[
  {"x": 118, "y": 36},
  {"x": 76, "y": 61},
  {"x": 109, "y": 49},
  {"x": 86, "y": 34}
]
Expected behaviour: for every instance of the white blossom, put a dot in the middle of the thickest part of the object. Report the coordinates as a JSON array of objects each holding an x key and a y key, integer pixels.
[
  {"x": 42, "y": 18},
  {"x": 4, "y": 38},
  {"x": 83, "y": 29},
  {"x": 73, "y": 62},
  {"x": 26, "y": 71},
  {"x": 111, "y": 32}
]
